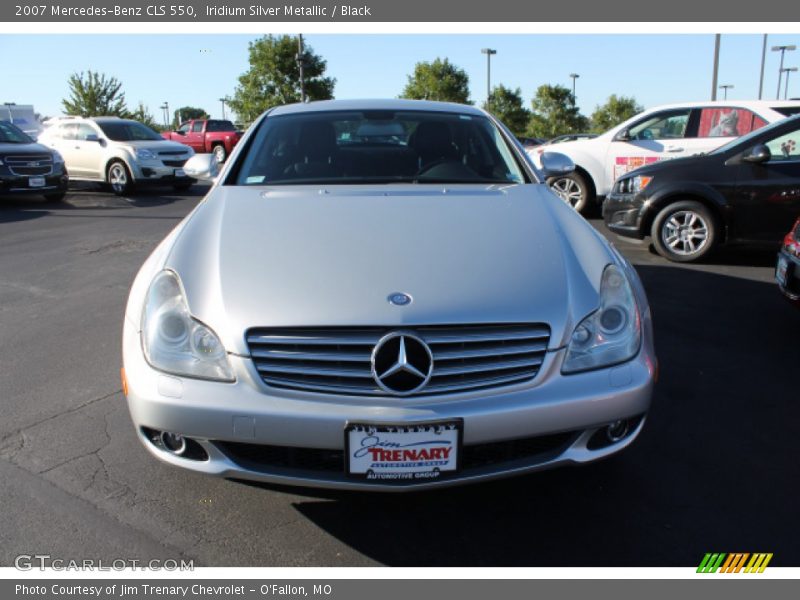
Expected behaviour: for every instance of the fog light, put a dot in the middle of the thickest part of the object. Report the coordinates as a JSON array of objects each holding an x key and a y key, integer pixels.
[
  {"x": 617, "y": 430},
  {"x": 174, "y": 442}
]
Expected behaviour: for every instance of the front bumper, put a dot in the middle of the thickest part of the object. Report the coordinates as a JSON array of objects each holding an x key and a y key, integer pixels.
[
  {"x": 565, "y": 411},
  {"x": 624, "y": 214},
  {"x": 155, "y": 172},
  {"x": 13, "y": 185}
]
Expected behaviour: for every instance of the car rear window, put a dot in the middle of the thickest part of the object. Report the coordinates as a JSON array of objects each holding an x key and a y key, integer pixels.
[
  {"x": 217, "y": 125},
  {"x": 362, "y": 147}
]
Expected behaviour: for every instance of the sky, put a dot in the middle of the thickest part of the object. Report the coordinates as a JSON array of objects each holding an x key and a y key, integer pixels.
[{"x": 198, "y": 69}]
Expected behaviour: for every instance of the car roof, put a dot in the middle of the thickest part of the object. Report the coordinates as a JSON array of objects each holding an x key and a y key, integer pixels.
[
  {"x": 386, "y": 104},
  {"x": 755, "y": 104}
]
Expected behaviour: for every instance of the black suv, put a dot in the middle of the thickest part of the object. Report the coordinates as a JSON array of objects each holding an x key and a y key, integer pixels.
[
  {"x": 747, "y": 191},
  {"x": 29, "y": 168}
]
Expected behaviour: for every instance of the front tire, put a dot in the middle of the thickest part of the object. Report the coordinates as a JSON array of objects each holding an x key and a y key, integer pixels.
[
  {"x": 119, "y": 178},
  {"x": 572, "y": 189},
  {"x": 220, "y": 153},
  {"x": 684, "y": 231}
]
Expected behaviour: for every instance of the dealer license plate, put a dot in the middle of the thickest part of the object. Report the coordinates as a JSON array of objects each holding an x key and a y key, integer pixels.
[
  {"x": 35, "y": 181},
  {"x": 781, "y": 270},
  {"x": 180, "y": 173},
  {"x": 419, "y": 452}
]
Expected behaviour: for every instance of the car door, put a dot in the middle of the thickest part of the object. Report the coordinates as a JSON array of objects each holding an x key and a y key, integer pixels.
[
  {"x": 195, "y": 137},
  {"x": 88, "y": 152},
  {"x": 655, "y": 137},
  {"x": 768, "y": 193}
]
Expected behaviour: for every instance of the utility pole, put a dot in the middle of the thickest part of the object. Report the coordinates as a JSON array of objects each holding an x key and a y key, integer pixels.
[
  {"x": 716, "y": 67},
  {"x": 223, "y": 100},
  {"x": 300, "y": 63},
  {"x": 763, "y": 62},
  {"x": 489, "y": 52},
  {"x": 726, "y": 87}
]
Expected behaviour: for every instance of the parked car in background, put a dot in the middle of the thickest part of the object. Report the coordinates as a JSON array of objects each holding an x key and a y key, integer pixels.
[
  {"x": 207, "y": 135},
  {"x": 384, "y": 295},
  {"x": 747, "y": 191},
  {"x": 28, "y": 168},
  {"x": 660, "y": 133},
  {"x": 119, "y": 152},
  {"x": 787, "y": 271}
]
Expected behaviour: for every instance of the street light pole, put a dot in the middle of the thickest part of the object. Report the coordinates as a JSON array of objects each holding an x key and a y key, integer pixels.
[
  {"x": 726, "y": 87},
  {"x": 165, "y": 111},
  {"x": 574, "y": 97},
  {"x": 223, "y": 100},
  {"x": 763, "y": 62},
  {"x": 715, "y": 73},
  {"x": 782, "y": 50},
  {"x": 786, "y": 89},
  {"x": 489, "y": 52},
  {"x": 300, "y": 60}
]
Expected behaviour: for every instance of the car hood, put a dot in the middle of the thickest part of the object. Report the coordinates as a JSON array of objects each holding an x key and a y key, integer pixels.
[
  {"x": 158, "y": 145},
  {"x": 691, "y": 167},
  {"x": 310, "y": 256},
  {"x": 32, "y": 148}
]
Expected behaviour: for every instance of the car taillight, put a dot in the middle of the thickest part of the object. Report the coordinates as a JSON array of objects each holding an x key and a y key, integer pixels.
[{"x": 792, "y": 240}]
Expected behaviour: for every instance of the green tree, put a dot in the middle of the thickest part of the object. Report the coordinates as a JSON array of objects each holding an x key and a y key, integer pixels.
[
  {"x": 274, "y": 77},
  {"x": 555, "y": 113},
  {"x": 506, "y": 104},
  {"x": 438, "y": 80},
  {"x": 94, "y": 95},
  {"x": 185, "y": 113},
  {"x": 616, "y": 110},
  {"x": 143, "y": 115}
]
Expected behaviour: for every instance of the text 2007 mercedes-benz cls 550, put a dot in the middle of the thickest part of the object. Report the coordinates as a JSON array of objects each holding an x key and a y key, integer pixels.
[{"x": 383, "y": 295}]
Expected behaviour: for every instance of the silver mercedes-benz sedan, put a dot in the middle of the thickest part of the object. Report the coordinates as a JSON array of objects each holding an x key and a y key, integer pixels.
[{"x": 383, "y": 295}]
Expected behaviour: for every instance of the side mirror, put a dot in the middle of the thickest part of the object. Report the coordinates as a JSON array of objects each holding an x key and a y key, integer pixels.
[
  {"x": 202, "y": 166},
  {"x": 555, "y": 163},
  {"x": 179, "y": 132},
  {"x": 757, "y": 154},
  {"x": 92, "y": 137},
  {"x": 623, "y": 136}
]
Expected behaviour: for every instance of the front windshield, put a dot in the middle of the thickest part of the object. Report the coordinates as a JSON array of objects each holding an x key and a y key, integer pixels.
[
  {"x": 128, "y": 131},
  {"x": 745, "y": 139},
  {"x": 362, "y": 147},
  {"x": 11, "y": 134}
]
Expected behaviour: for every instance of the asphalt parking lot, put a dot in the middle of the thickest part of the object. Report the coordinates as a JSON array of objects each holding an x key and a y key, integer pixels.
[{"x": 714, "y": 470}]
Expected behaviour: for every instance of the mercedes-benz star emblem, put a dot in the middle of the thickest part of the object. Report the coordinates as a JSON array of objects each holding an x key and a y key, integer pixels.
[{"x": 402, "y": 363}]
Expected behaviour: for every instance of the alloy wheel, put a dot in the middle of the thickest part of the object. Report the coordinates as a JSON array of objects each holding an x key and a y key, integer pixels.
[{"x": 685, "y": 232}]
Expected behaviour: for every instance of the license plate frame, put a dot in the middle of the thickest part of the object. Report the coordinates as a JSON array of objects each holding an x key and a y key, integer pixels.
[
  {"x": 36, "y": 182},
  {"x": 401, "y": 437},
  {"x": 180, "y": 173}
]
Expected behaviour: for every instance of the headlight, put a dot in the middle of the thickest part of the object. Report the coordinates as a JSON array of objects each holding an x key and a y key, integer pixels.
[
  {"x": 57, "y": 158},
  {"x": 173, "y": 341},
  {"x": 145, "y": 154},
  {"x": 633, "y": 185},
  {"x": 612, "y": 333}
]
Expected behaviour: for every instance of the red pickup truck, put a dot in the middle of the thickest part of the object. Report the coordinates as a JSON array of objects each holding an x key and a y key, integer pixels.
[{"x": 207, "y": 135}]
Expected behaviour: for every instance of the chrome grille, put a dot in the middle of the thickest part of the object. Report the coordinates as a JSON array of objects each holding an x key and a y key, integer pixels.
[
  {"x": 33, "y": 164},
  {"x": 337, "y": 360}
]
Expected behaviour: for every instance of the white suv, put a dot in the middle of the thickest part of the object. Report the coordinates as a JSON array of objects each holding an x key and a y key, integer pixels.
[
  {"x": 663, "y": 132},
  {"x": 119, "y": 152}
]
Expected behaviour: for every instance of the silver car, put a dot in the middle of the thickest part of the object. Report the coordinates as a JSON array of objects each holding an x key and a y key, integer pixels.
[
  {"x": 382, "y": 295},
  {"x": 119, "y": 152}
]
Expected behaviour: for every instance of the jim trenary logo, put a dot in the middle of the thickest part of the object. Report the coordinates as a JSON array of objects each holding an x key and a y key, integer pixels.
[{"x": 737, "y": 562}]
